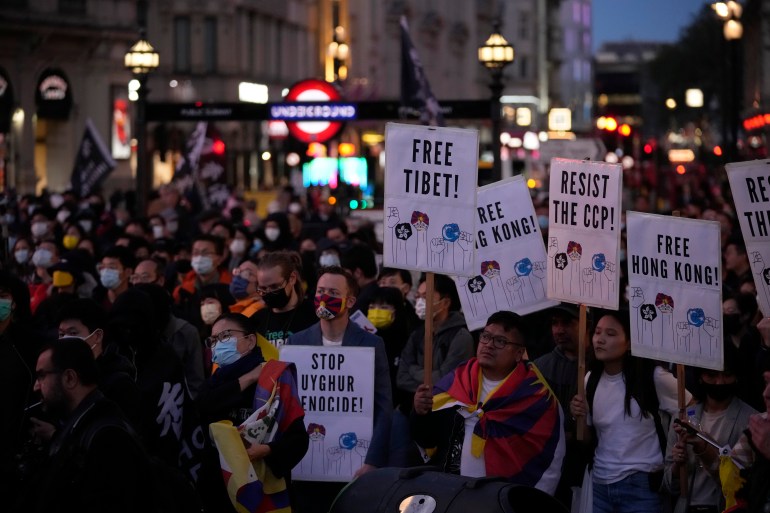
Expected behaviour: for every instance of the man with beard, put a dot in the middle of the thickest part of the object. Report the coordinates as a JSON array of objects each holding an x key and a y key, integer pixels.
[
  {"x": 94, "y": 464},
  {"x": 335, "y": 298}
]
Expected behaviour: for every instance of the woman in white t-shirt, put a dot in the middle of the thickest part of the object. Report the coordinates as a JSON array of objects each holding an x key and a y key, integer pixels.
[{"x": 628, "y": 459}]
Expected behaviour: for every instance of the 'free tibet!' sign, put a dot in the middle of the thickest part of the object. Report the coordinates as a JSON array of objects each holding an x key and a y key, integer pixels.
[{"x": 430, "y": 198}]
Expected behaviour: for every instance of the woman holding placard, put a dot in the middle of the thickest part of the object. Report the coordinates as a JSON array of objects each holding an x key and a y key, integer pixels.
[{"x": 621, "y": 405}]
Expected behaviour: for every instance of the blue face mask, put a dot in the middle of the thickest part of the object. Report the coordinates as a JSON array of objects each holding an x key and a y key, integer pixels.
[
  {"x": 542, "y": 221},
  {"x": 110, "y": 278},
  {"x": 5, "y": 308},
  {"x": 238, "y": 287},
  {"x": 225, "y": 352}
]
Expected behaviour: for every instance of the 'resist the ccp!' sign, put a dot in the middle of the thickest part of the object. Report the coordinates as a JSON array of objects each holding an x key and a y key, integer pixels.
[{"x": 317, "y": 102}]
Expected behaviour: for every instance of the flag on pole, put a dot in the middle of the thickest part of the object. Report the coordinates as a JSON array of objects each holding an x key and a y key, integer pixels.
[
  {"x": 92, "y": 163},
  {"x": 415, "y": 89}
]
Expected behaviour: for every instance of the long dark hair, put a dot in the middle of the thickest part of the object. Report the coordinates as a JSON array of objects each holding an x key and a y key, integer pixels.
[{"x": 637, "y": 372}]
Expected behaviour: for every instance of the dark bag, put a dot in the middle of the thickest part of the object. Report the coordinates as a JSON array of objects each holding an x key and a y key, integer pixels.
[
  {"x": 426, "y": 489},
  {"x": 171, "y": 491}
]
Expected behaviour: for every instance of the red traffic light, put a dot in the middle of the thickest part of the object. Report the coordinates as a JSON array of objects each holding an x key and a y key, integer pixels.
[
  {"x": 218, "y": 147},
  {"x": 648, "y": 148}
]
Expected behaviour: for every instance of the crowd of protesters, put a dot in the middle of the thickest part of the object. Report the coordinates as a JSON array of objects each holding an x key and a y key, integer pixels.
[{"x": 148, "y": 328}]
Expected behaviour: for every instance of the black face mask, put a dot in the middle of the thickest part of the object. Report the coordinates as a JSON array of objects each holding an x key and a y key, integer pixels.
[
  {"x": 732, "y": 323},
  {"x": 719, "y": 392},
  {"x": 277, "y": 299}
]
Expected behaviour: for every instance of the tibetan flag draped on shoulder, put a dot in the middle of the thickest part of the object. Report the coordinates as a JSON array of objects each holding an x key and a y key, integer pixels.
[
  {"x": 415, "y": 89},
  {"x": 520, "y": 429},
  {"x": 92, "y": 164},
  {"x": 251, "y": 485}
]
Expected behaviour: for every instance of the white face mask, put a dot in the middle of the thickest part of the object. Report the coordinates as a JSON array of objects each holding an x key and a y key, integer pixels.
[
  {"x": 21, "y": 255},
  {"x": 39, "y": 228},
  {"x": 202, "y": 264},
  {"x": 86, "y": 225},
  {"x": 62, "y": 216},
  {"x": 419, "y": 308},
  {"x": 157, "y": 231},
  {"x": 272, "y": 234},
  {"x": 328, "y": 259},
  {"x": 238, "y": 246}
]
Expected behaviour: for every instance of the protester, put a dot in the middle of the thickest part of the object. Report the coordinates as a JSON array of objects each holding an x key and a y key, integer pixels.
[
  {"x": 84, "y": 318},
  {"x": 723, "y": 417},
  {"x": 95, "y": 464},
  {"x": 115, "y": 269},
  {"x": 207, "y": 255},
  {"x": 493, "y": 416},
  {"x": 242, "y": 382},
  {"x": 335, "y": 297},
  {"x": 287, "y": 311},
  {"x": 452, "y": 342},
  {"x": 360, "y": 261},
  {"x": 560, "y": 370},
  {"x": 243, "y": 288},
  {"x": 17, "y": 346},
  {"x": 621, "y": 405}
]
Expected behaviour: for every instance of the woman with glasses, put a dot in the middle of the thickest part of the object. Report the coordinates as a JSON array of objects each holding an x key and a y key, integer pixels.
[
  {"x": 242, "y": 382},
  {"x": 287, "y": 310}
]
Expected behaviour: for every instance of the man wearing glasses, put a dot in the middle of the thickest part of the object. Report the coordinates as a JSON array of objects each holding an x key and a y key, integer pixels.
[
  {"x": 494, "y": 415},
  {"x": 81, "y": 473}
]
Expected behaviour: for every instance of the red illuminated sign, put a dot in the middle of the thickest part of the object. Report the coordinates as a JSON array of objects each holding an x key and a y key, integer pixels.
[{"x": 313, "y": 90}]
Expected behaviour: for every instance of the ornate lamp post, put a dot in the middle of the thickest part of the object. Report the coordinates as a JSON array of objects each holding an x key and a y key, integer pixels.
[
  {"x": 141, "y": 59},
  {"x": 730, "y": 12},
  {"x": 495, "y": 55}
]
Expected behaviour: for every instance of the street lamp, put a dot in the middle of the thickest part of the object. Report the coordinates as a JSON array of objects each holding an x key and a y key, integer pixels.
[
  {"x": 730, "y": 12},
  {"x": 141, "y": 59},
  {"x": 495, "y": 55}
]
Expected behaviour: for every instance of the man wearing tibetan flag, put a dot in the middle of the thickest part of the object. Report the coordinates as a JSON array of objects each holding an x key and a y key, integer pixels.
[{"x": 495, "y": 414}]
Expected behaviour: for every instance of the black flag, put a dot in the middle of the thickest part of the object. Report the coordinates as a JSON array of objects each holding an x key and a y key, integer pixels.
[
  {"x": 415, "y": 89},
  {"x": 92, "y": 164}
]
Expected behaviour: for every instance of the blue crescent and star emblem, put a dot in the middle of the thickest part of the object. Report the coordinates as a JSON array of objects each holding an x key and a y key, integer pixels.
[
  {"x": 599, "y": 262},
  {"x": 696, "y": 317},
  {"x": 348, "y": 440},
  {"x": 523, "y": 267},
  {"x": 450, "y": 232}
]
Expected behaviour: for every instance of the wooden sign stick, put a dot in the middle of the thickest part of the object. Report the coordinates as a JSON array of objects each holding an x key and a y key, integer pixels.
[
  {"x": 428, "y": 350},
  {"x": 581, "y": 422}
]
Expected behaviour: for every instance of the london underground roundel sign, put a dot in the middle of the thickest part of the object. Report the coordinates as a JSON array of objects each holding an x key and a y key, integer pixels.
[{"x": 313, "y": 90}]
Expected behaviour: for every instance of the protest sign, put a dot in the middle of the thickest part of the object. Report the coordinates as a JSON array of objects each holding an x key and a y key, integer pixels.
[
  {"x": 512, "y": 256},
  {"x": 584, "y": 232},
  {"x": 675, "y": 295},
  {"x": 336, "y": 389},
  {"x": 430, "y": 198},
  {"x": 750, "y": 184}
]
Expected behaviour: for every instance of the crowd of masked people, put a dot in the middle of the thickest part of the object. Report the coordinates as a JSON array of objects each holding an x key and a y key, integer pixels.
[{"x": 124, "y": 337}]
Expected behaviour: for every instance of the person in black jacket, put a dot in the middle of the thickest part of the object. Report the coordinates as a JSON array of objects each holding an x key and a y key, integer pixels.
[
  {"x": 16, "y": 377},
  {"x": 87, "y": 470}
]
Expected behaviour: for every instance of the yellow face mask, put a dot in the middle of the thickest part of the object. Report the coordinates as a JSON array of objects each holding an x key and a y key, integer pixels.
[
  {"x": 70, "y": 241},
  {"x": 380, "y": 317}
]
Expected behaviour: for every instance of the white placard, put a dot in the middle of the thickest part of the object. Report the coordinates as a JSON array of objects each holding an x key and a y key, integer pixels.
[
  {"x": 509, "y": 246},
  {"x": 675, "y": 289},
  {"x": 750, "y": 185},
  {"x": 430, "y": 198},
  {"x": 584, "y": 232},
  {"x": 336, "y": 389}
]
